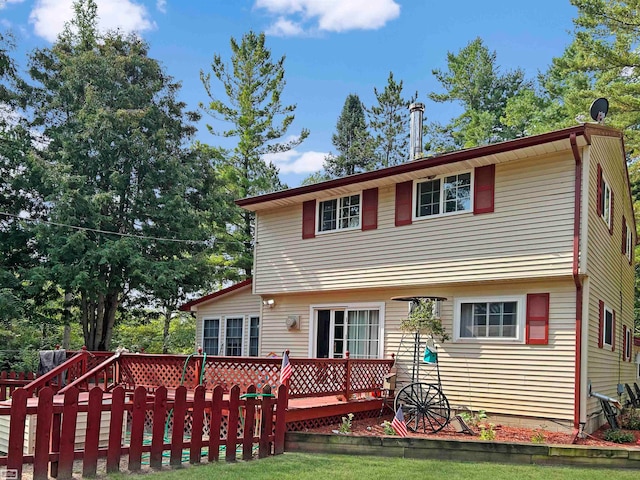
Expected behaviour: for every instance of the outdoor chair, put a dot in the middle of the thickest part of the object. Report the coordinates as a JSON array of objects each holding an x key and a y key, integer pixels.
[{"x": 634, "y": 401}]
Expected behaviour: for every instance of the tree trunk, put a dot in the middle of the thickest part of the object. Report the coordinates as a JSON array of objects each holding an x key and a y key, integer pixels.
[{"x": 165, "y": 333}]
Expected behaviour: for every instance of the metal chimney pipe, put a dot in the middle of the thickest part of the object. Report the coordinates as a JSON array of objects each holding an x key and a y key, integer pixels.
[{"x": 416, "y": 111}]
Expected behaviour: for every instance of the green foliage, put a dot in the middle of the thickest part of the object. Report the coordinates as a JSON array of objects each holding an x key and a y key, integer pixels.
[
  {"x": 144, "y": 332},
  {"x": 251, "y": 108},
  {"x": 473, "y": 79},
  {"x": 618, "y": 436},
  {"x": 487, "y": 431},
  {"x": 630, "y": 419},
  {"x": 352, "y": 140},
  {"x": 422, "y": 319},
  {"x": 115, "y": 162},
  {"x": 388, "y": 428},
  {"x": 538, "y": 437},
  {"x": 345, "y": 427},
  {"x": 389, "y": 121},
  {"x": 473, "y": 419}
]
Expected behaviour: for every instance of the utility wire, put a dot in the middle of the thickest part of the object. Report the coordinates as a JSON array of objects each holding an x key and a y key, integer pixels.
[{"x": 107, "y": 232}]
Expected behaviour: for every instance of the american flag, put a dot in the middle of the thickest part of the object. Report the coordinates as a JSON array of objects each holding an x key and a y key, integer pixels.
[
  {"x": 285, "y": 371},
  {"x": 398, "y": 423}
]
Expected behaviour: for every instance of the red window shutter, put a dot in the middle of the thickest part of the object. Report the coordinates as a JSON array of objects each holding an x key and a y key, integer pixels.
[
  {"x": 537, "y": 331},
  {"x": 404, "y": 194},
  {"x": 599, "y": 201},
  {"x": 624, "y": 343},
  {"x": 484, "y": 189},
  {"x": 624, "y": 236},
  {"x": 370, "y": 209},
  {"x": 613, "y": 332},
  {"x": 309, "y": 219},
  {"x": 611, "y": 215},
  {"x": 600, "y": 324}
]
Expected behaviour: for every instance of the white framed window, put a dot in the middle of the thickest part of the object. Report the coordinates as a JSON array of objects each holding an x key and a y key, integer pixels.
[
  {"x": 605, "y": 202},
  {"x": 607, "y": 328},
  {"x": 339, "y": 213},
  {"x": 481, "y": 319},
  {"x": 211, "y": 336},
  {"x": 355, "y": 328},
  {"x": 443, "y": 195},
  {"x": 628, "y": 342},
  {"x": 233, "y": 335},
  {"x": 629, "y": 243}
]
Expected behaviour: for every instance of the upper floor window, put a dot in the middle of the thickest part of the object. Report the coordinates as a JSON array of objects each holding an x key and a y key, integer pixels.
[
  {"x": 499, "y": 318},
  {"x": 339, "y": 213},
  {"x": 628, "y": 242},
  {"x": 605, "y": 200},
  {"x": 607, "y": 328},
  {"x": 447, "y": 194}
]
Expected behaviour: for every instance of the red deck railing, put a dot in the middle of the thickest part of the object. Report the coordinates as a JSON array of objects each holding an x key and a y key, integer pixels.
[
  {"x": 10, "y": 381},
  {"x": 205, "y": 420}
]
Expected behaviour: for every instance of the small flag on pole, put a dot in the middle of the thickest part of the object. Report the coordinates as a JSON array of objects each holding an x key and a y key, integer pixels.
[
  {"x": 398, "y": 423},
  {"x": 285, "y": 371}
]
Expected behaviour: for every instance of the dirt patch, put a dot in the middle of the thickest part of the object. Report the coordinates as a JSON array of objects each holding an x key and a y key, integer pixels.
[{"x": 503, "y": 433}]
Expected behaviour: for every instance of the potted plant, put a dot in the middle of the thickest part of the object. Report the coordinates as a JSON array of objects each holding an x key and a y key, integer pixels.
[{"x": 422, "y": 320}]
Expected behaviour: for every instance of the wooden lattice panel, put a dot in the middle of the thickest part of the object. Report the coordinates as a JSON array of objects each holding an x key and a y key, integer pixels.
[
  {"x": 243, "y": 372},
  {"x": 366, "y": 375},
  {"x": 158, "y": 370},
  {"x": 311, "y": 423},
  {"x": 322, "y": 377}
]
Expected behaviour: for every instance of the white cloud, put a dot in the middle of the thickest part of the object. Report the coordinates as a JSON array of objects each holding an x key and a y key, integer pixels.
[
  {"x": 329, "y": 15},
  {"x": 4, "y": 3},
  {"x": 161, "y": 5},
  {"x": 49, "y": 16},
  {"x": 285, "y": 28},
  {"x": 296, "y": 162}
]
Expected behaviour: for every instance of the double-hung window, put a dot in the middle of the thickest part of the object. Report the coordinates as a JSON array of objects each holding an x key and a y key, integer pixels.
[
  {"x": 446, "y": 194},
  {"x": 605, "y": 201},
  {"x": 494, "y": 318},
  {"x": 339, "y": 213},
  {"x": 607, "y": 328},
  {"x": 628, "y": 243},
  {"x": 232, "y": 336}
]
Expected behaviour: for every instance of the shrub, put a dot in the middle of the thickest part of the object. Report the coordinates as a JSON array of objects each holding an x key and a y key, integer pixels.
[
  {"x": 473, "y": 419},
  {"x": 388, "y": 429},
  {"x": 538, "y": 437},
  {"x": 487, "y": 431},
  {"x": 630, "y": 419},
  {"x": 618, "y": 436},
  {"x": 346, "y": 424}
]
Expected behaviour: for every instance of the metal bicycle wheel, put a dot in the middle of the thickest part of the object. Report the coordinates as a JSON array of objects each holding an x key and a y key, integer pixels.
[{"x": 424, "y": 406}]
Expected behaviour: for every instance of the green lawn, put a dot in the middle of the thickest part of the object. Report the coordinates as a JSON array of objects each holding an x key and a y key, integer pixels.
[{"x": 297, "y": 466}]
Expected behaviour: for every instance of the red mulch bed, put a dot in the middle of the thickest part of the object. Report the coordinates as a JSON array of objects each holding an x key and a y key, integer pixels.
[{"x": 373, "y": 427}]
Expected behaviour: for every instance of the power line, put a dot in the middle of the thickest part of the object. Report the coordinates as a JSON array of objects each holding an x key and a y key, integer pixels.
[{"x": 108, "y": 232}]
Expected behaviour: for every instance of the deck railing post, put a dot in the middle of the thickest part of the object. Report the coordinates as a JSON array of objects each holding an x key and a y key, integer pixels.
[{"x": 347, "y": 387}]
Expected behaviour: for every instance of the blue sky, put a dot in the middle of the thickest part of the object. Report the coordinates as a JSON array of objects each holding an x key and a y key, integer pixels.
[{"x": 333, "y": 47}]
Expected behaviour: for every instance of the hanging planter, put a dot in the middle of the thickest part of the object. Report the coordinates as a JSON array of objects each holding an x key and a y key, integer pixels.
[{"x": 422, "y": 320}]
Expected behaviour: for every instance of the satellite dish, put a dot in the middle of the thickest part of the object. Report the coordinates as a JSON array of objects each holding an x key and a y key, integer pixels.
[{"x": 599, "y": 109}]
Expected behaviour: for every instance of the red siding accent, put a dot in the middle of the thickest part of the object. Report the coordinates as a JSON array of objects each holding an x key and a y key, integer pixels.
[
  {"x": 537, "y": 319},
  {"x": 624, "y": 235},
  {"x": 600, "y": 323},
  {"x": 370, "y": 209},
  {"x": 611, "y": 215},
  {"x": 599, "y": 201},
  {"x": 484, "y": 189},
  {"x": 309, "y": 219},
  {"x": 404, "y": 194}
]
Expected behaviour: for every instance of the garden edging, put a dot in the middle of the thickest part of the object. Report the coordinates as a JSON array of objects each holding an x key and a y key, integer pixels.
[{"x": 463, "y": 450}]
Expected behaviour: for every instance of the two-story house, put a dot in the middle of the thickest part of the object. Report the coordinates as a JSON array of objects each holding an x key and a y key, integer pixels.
[{"x": 530, "y": 242}]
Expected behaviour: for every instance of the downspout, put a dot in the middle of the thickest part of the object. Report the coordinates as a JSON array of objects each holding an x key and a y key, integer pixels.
[{"x": 577, "y": 280}]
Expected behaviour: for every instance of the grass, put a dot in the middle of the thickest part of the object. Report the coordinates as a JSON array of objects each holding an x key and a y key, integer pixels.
[{"x": 300, "y": 466}]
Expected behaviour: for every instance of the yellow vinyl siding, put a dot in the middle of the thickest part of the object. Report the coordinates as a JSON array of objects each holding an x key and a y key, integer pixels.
[
  {"x": 529, "y": 235},
  {"x": 239, "y": 303},
  {"x": 502, "y": 378},
  {"x": 610, "y": 277}
]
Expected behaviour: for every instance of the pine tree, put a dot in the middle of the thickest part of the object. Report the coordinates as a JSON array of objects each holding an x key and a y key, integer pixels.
[
  {"x": 473, "y": 79},
  {"x": 251, "y": 104},
  {"x": 117, "y": 162},
  {"x": 352, "y": 140},
  {"x": 389, "y": 119}
]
